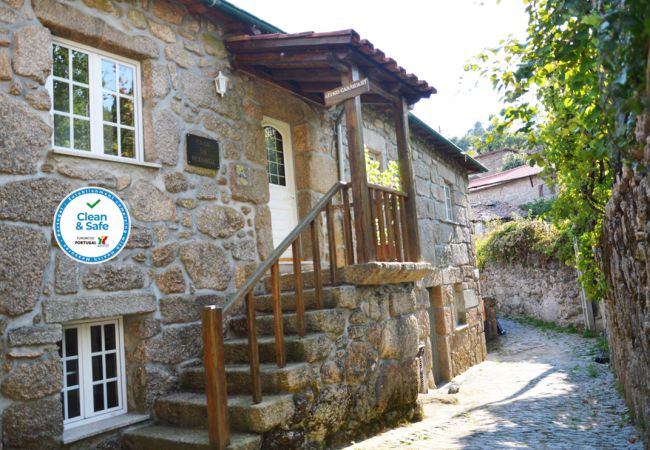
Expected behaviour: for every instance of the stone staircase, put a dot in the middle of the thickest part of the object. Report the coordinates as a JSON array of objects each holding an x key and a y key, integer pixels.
[{"x": 181, "y": 417}]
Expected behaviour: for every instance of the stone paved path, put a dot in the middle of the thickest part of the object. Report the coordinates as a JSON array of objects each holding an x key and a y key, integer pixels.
[{"x": 539, "y": 389}]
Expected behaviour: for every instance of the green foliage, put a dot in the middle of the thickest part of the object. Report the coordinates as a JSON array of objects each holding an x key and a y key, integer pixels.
[
  {"x": 480, "y": 140},
  {"x": 575, "y": 85},
  {"x": 388, "y": 178},
  {"x": 538, "y": 208},
  {"x": 512, "y": 160},
  {"x": 520, "y": 238},
  {"x": 592, "y": 371}
]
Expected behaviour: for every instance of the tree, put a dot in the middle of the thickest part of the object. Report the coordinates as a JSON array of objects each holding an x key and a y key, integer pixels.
[
  {"x": 481, "y": 140},
  {"x": 573, "y": 87}
]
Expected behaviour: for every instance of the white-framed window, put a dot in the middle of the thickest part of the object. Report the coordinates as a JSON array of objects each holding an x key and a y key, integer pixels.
[
  {"x": 449, "y": 204},
  {"x": 376, "y": 156},
  {"x": 94, "y": 385},
  {"x": 96, "y": 102},
  {"x": 460, "y": 313}
]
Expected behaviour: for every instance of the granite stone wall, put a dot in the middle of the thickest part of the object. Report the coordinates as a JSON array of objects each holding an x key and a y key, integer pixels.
[
  {"x": 625, "y": 256},
  {"x": 538, "y": 287},
  {"x": 196, "y": 233}
]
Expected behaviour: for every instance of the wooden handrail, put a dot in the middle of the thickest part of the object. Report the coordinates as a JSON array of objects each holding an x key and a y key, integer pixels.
[
  {"x": 264, "y": 267},
  {"x": 387, "y": 189}
]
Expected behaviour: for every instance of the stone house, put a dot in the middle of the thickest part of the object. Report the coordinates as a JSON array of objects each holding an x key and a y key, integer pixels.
[{"x": 106, "y": 93}]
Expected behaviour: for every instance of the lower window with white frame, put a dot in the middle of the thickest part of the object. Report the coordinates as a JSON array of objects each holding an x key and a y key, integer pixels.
[{"x": 93, "y": 371}]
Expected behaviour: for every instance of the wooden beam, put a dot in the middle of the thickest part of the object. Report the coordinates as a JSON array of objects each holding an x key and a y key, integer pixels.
[
  {"x": 360, "y": 197},
  {"x": 307, "y": 75},
  {"x": 408, "y": 181}
]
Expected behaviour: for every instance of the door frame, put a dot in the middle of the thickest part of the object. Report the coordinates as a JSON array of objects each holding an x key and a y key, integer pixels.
[{"x": 289, "y": 170}]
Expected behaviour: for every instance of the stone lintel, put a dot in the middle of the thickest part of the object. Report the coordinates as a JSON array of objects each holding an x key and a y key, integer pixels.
[
  {"x": 378, "y": 273},
  {"x": 66, "y": 310}
]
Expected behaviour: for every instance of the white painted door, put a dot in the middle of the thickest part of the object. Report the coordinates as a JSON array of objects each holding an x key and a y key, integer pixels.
[{"x": 284, "y": 211}]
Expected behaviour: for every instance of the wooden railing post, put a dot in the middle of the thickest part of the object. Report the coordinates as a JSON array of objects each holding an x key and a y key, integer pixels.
[
  {"x": 331, "y": 240},
  {"x": 297, "y": 286},
  {"x": 253, "y": 349},
  {"x": 407, "y": 179},
  {"x": 315, "y": 252},
  {"x": 215, "y": 377},
  {"x": 361, "y": 202},
  {"x": 278, "y": 327}
]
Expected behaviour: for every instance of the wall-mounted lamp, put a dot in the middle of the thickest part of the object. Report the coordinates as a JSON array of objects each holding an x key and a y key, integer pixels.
[{"x": 221, "y": 84}]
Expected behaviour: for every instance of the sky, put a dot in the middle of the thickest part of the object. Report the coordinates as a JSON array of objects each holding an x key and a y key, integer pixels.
[{"x": 433, "y": 39}]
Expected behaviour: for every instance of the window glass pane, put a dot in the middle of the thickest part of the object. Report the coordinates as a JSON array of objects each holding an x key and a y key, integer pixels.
[
  {"x": 108, "y": 75},
  {"x": 80, "y": 101},
  {"x": 275, "y": 155},
  {"x": 96, "y": 338},
  {"x": 110, "y": 108},
  {"x": 126, "y": 80},
  {"x": 111, "y": 395},
  {"x": 128, "y": 143},
  {"x": 109, "y": 336},
  {"x": 71, "y": 342},
  {"x": 98, "y": 397},
  {"x": 126, "y": 112},
  {"x": 80, "y": 67},
  {"x": 110, "y": 140},
  {"x": 72, "y": 372},
  {"x": 81, "y": 134},
  {"x": 74, "y": 408},
  {"x": 61, "y": 131},
  {"x": 111, "y": 365},
  {"x": 98, "y": 368},
  {"x": 61, "y": 96},
  {"x": 60, "y": 55}
]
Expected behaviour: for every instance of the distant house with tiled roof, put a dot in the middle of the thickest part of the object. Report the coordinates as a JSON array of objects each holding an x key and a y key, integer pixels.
[{"x": 499, "y": 195}]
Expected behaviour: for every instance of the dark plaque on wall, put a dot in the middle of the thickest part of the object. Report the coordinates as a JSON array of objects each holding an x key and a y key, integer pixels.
[{"x": 202, "y": 152}]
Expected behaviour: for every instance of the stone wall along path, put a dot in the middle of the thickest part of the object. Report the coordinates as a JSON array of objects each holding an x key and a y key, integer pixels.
[{"x": 538, "y": 389}]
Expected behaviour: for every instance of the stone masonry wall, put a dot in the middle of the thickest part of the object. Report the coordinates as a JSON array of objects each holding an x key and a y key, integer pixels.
[
  {"x": 446, "y": 244},
  {"x": 369, "y": 377},
  {"x": 625, "y": 256},
  {"x": 196, "y": 233},
  {"x": 538, "y": 287}
]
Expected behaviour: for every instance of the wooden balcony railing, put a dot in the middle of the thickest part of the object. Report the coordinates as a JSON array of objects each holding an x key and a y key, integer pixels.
[{"x": 388, "y": 214}]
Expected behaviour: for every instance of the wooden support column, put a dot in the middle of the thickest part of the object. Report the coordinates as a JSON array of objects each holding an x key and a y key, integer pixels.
[
  {"x": 361, "y": 201},
  {"x": 407, "y": 178}
]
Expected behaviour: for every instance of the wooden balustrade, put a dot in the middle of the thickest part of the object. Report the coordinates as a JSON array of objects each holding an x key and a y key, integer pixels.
[
  {"x": 388, "y": 233},
  {"x": 212, "y": 316},
  {"x": 388, "y": 215}
]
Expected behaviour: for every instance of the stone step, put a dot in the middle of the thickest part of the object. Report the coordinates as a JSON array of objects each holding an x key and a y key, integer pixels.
[
  {"x": 162, "y": 437},
  {"x": 290, "y": 378},
  {"x": 188, "y": 409},
  {"x": 312, "y": 347},
  {"x": 264, "y": 303},
  {"x": 287, "y": 283},
  {"x": 328, "y": 321}
]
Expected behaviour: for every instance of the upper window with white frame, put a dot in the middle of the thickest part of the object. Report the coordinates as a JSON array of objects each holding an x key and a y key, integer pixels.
[
  {"x": 93, "y": 372},
  {"x": 449, "y": 204},
  {"x": 95, "y": 102}
]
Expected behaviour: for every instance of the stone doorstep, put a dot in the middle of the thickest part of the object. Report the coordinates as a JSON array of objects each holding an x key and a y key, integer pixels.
[
  {"x": 380, "y": 273},
  {"x": 161, "y": 437},
  {"x": 102, "y": 426}
]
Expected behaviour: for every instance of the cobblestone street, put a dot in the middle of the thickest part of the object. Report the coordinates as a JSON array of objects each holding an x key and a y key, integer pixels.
[{"x": 538, "y": 389}]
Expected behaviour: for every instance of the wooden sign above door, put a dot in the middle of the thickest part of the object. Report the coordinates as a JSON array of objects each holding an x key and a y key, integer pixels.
[{"x": 345, "y": 92}]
